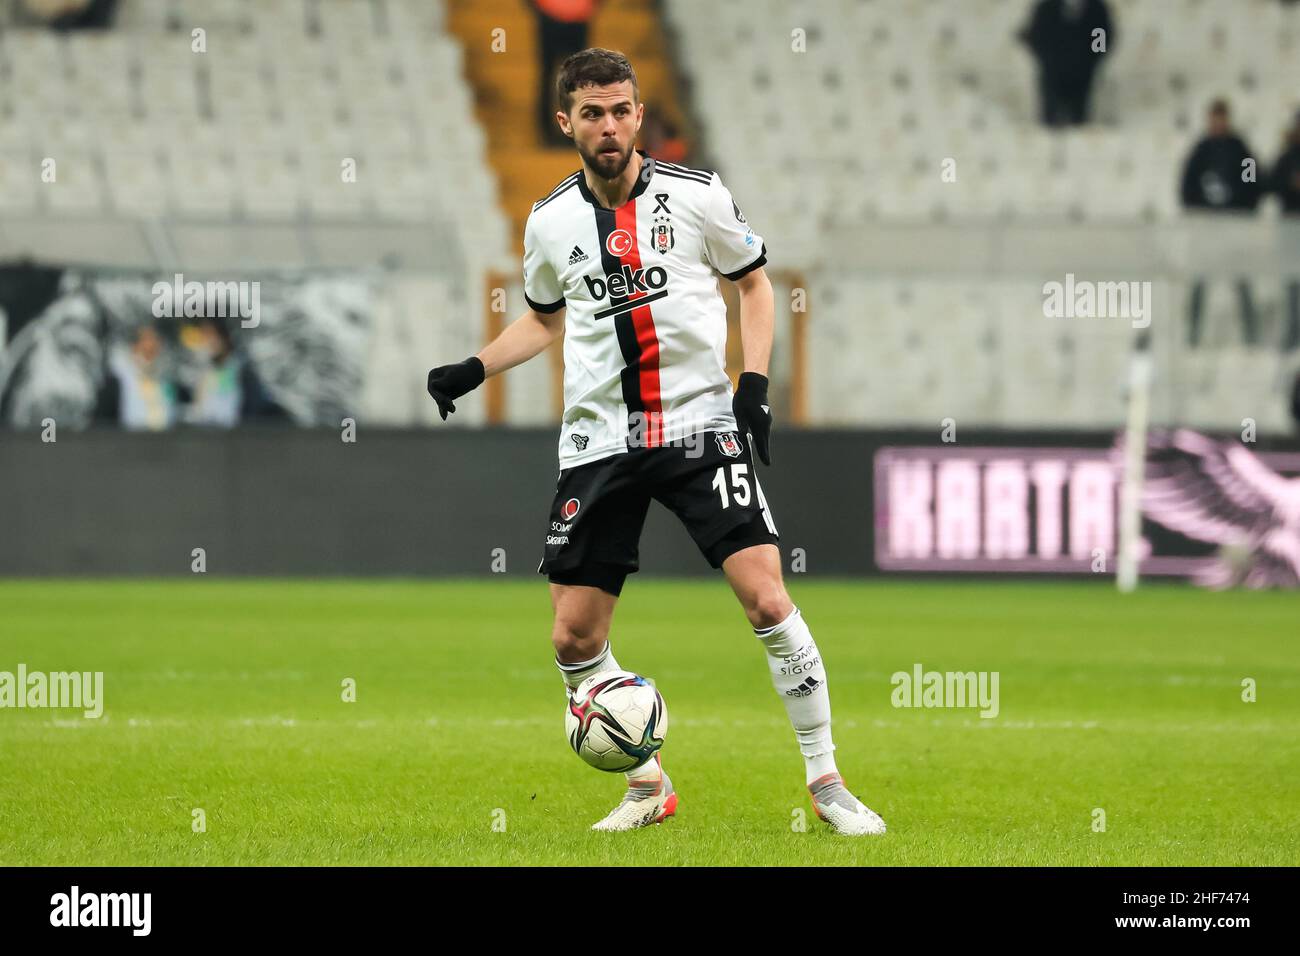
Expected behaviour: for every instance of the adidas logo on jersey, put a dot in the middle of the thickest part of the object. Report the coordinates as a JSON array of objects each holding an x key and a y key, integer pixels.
[
  {"x": 805, "y": 687},
  {"x": 577, "y": 255}
]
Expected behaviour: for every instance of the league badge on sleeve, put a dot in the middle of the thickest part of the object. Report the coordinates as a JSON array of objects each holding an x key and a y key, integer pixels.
[{"x": 728, "y": 444}]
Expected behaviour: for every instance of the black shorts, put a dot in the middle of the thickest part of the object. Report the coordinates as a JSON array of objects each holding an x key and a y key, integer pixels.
[{"x": 708, "y": 481}]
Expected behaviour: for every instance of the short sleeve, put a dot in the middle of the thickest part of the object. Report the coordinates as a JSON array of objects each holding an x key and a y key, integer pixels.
[
  {"x": 542, "y": 289},
  {"x": 732, "y": 247}
]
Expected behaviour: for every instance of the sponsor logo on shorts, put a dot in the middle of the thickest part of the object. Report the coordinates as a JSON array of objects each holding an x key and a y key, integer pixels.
[
  {"x": 569, "y": 510},
  {"x": 728, "y": 444}
]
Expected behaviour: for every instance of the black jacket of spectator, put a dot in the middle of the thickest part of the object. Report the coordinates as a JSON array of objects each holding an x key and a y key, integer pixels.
[
  {"x": 1064, "y": 45},
  {"x": 1285, "y": 181},
  {"x": 1213, "y": 175},
  {"x": 1295, "y": 401}
]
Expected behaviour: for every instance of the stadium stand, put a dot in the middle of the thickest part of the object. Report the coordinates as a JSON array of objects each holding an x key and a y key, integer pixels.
[
  {"x": 506, "y": 87},
  {"x": 853, "y": 133},
  {"x": 275, "y": 96},
  {"x": 169, "y": 155},
  {"x": 898, "y": 85},
  {"x": 925, "y": 295}
]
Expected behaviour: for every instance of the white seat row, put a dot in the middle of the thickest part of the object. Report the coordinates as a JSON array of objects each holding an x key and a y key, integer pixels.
[
  {"x": 261, "y": 125},
  {"x": 916, "y": 351},
  {"x": 860, "y": 101}
]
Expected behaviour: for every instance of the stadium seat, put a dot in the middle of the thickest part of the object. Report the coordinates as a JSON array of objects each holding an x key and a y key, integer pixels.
[{"x": 975, "y": 102}]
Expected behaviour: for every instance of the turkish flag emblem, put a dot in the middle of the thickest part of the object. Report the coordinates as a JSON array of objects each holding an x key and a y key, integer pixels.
[{"x": 619, "y": 243}]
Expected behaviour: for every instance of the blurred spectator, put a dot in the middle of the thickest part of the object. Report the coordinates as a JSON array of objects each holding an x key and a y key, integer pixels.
[
  {"x": 561, "y": 30},
  {"x": 659, "y": 139},
  {"x": 214, "y": 397},
  {"x": 1295, "y": 401},
  {"x": 1214, "y": 176},
  {"x": 1060, "y": 35},
  {"x": 224, "y": 389},
  {"x": 1215, "y": 180},
  {"x": 136, "y": 392},
  {"x": 1285, "y": 181},
  {"x": 67, "y": 14}
]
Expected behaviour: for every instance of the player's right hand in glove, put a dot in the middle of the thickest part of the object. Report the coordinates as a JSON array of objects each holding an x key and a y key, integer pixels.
[{"x": 449, "y": 382}]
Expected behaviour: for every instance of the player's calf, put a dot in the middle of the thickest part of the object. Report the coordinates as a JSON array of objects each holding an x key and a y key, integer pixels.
[{"x": 580, "y": 631}]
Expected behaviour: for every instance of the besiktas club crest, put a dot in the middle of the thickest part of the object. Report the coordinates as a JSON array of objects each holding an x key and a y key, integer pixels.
[
  {"x": 661, "y": 235},
  {"x": 728, "y": 444}
]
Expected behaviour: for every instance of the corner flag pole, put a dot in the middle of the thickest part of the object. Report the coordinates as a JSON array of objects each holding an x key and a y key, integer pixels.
[{"x": 1135, "y": 447}]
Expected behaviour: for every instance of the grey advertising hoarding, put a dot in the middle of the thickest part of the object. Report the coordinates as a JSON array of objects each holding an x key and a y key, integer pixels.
[{"x": 278, "y": 500}]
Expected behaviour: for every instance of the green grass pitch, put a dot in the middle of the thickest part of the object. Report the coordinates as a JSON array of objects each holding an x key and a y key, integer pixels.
[{"x": 226, "y": 696}]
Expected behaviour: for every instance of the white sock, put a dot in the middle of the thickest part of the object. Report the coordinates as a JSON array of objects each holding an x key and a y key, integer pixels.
[
  {"x": 800, "y": 678},
  {"x": 574, "y": 674}
]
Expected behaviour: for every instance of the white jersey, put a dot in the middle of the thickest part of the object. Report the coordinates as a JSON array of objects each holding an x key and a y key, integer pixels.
[{"x": 646, "y": 329}]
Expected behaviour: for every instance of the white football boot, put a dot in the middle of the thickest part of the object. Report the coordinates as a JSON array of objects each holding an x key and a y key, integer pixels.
[
  {"x": 846, "y": 814},
  {"x": 649, "y": 803}
]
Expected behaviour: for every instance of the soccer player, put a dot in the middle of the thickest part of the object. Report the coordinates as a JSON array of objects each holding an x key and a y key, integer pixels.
[{"x": 621, "y": 257}]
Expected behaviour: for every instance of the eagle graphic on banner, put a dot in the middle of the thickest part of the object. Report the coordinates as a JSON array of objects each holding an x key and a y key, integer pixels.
[{"x": 1221, "y": 493}]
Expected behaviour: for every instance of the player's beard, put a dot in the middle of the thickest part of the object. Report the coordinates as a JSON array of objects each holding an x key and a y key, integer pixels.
[{"x": 607, "y": 167}]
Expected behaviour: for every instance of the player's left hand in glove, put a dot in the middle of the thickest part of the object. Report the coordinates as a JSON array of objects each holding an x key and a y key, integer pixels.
[
  {"x": 449, "y": 382},
  {"x": 753, "y": 413}
]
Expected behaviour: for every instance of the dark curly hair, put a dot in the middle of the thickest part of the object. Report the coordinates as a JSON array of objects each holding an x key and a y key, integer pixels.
[{"x": 592, "y": 67}]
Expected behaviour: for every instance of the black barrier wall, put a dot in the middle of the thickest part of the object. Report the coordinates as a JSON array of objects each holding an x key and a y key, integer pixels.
[
  {"x": 304, "y": 502},
  {"x": 287, "y": 501}
]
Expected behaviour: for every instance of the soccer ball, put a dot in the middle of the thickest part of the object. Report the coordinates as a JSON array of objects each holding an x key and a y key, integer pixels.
[{"x": 616, "y": 720}]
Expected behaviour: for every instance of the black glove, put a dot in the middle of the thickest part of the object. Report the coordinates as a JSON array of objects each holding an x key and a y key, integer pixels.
[
  {"x": 449, "y": 382},
  {"x": 753, "y": 413}
]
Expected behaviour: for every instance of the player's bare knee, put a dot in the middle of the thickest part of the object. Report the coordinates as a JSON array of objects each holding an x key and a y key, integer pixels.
[
  {"x": 577, "y": 641},
  {"x": 768, "y": 606}
]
